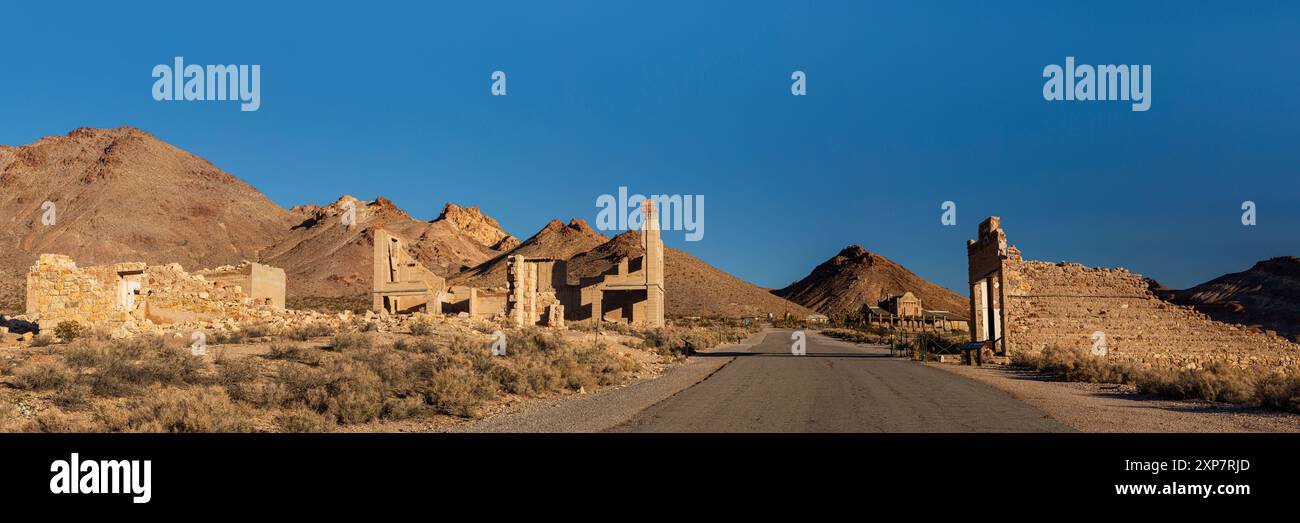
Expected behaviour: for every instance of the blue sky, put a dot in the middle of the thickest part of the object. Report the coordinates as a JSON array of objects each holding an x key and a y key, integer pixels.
[{"x": 909, "y": 104}]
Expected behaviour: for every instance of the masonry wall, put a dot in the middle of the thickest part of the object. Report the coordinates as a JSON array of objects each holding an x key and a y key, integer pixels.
[
  {"x": 125, "y": 298},
  {"x": 1064, "y": 304},
  {"x": 262, "y": 283}
]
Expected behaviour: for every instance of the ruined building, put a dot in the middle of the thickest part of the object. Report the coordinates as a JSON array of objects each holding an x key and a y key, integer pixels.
[
  {"x": 402, "y": 284},
  {"x": 130, "y": 297},
  {"x": 538, "y": 291},
  {"x": 904, "y": 312},
  {"x": 1019, "y": 305}
]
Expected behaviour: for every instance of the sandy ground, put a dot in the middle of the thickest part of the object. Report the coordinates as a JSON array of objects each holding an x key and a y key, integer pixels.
[{"x": 1092, "y": 407}]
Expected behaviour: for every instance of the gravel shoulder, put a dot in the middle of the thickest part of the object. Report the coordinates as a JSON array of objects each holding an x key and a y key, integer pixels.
[
  {"x": 600, "y": 410},
  {"x": 1092, "y": 407}
]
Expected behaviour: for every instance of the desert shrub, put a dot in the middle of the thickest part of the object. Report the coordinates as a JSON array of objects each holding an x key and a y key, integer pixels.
[
  {"x": 72, "y": 396},
  {"x": 457, "y": 390},
  {"x": 257, "y": 330},
  {"x": 293, "y": 352},
  {"x": 1213, "y": 382},
  {"x": 855, "y": 335},
  {"x": 1253, "y": 386},
  {"x": 197, "y": 409},
  {"x": 404, "y": 407},
  {"x": 302, "y": 419},
  {"x": 309, "y": 331},
  {"x": 1281, "y": 391},
  {"x": 43, "y": 374},
  {"x": 43, "y": 339},
  {"x": 127, "y": 365},
  {"x": 1076, "y": 364},
  {"x": 680, "y": 341},
  {"x": 423, "y": 344},
  {"x": 68, "y": 330},
  {"x": 345, "y": 389},
  {"x": 351, "y": 341},
  {"x": 110, "y": 417},
  {"x": 353, "y": 393},
  {"x": 55, "y": 419},
  {"x": 522, "y": 341},
  {"x": 422, "y": 327},
  {"x": 229, "y": 337}
]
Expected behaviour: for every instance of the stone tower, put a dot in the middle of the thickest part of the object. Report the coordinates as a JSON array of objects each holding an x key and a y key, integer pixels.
[{"x": 654, "y": 263}]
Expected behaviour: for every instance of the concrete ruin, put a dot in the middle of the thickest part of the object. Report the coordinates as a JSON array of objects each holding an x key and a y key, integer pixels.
[
  {"x": 402, "y": 284},
  {"x": 537, "y": 290},
  {"x": 1019, "y": 305},
  {"x": 130, "y": 297}
]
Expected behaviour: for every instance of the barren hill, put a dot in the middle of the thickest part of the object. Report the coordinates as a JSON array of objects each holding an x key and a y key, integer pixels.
[
  {"x": 857, "y": 277},
  {"x": 323, "y": 257},
  {"x": 1267, "y": 295},
  {"x": 694, "y": 288},
  {"x": 556, "y": 240},
  {"x": 122, "y": 194}
]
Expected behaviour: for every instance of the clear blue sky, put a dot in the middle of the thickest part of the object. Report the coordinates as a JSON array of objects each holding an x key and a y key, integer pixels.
[{"x": 909, "y": 104}]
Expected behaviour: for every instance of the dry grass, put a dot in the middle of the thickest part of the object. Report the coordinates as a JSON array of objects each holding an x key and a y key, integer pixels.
[
  {"x": 1255, "y": 386},
  {"x": 337, "y": 378},
  {"x": 679, "y": 341},
  {"x": 855, "y": 335}
]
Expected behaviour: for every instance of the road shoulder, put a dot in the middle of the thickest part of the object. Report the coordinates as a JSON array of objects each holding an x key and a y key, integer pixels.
[{"x": 1092, "y": 407}]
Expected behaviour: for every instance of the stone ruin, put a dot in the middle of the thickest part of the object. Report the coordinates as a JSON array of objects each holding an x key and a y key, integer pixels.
[
  {"x": 1019, "y": 305},
  {"x": 133, "y": 297},
  {"x": 537, "y": 291},
  {"x": 402, "y": 284}
]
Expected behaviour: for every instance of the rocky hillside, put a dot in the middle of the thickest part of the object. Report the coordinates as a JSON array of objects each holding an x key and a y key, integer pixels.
[
  {"x": 1266, "y": 296},
  {"x": 478, "y": 226},
  {"x": 122, "y": 194},
  {"x": 857, "y": 277}
]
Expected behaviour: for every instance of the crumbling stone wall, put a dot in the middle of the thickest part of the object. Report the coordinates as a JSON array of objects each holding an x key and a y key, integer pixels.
[
  {"x": 1068, "y": 304},
  {"x": 534, "y": 291},
  {"x": 127, "y": 298},
  {"x": 262, "y": 283}
]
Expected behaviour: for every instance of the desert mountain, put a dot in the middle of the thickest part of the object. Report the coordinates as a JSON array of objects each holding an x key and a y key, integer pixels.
[
  {"x": 556, "y": 240},
  {"x": 122, "y": 194},
  {"x": 695, "y": 288},
  {"x": 857, "y": 277},
  {"x": 323, "y": 257},
  {"x": 1267, "y": 295}
]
